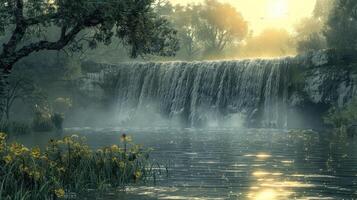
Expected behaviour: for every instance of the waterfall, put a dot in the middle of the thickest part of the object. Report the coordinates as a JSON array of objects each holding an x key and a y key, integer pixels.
[{"x": 217, "y": 93}]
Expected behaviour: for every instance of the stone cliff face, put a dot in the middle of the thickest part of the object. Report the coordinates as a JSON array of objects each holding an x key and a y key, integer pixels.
[
  {"x": 286, "y": 92},
  {"x": 328, "y": 79}
]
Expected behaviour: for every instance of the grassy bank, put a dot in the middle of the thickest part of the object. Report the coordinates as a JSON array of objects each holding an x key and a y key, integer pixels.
[{"x": 67, "y": 168}]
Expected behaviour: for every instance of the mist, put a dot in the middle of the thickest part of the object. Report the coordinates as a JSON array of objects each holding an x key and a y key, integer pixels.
[{"x": 166, "y": 99}]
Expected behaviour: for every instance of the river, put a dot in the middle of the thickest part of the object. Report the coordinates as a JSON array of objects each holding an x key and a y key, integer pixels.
[{"x": 261, "y": 164}]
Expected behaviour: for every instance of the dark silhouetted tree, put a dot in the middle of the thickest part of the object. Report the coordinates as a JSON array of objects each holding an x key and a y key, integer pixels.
[
  {"x": 23, "y": 24},
  {"x": 341, "y": 27}
]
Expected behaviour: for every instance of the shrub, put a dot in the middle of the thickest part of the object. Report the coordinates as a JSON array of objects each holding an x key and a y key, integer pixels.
[
  {"x": 341, "y": 118},
  {"x": 15, "y": 128},
  {"x": 66, "y": 167},
  {"x": 62, "y": 104},
  {"x": 57, "y": 120},
  {"x": 42, "y": 122}
]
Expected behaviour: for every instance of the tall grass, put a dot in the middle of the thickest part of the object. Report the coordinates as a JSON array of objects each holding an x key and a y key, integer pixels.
[
  {"x": 67, "y": 168},
  {"x": 15, "y": 128}
]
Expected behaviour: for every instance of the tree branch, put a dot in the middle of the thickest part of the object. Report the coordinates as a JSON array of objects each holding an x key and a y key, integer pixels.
[
  {"x": 40, "y": 19},
  {"x": 63, "y": 41},
  {"x": 19, "y": 31}
]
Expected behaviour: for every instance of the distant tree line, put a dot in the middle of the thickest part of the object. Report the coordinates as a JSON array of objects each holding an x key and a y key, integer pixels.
[
  {"x": 213, "y": 30},
  {"x": 333, "y": 25}
]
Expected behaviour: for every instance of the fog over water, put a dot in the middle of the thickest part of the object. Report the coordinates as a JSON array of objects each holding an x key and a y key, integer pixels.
[{"x": 199, "y": 94}]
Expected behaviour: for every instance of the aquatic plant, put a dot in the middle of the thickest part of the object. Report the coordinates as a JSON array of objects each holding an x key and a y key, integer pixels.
[{"x": 66, "y": 168}]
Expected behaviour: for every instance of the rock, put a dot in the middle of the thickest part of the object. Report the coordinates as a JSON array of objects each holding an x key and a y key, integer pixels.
[{"x": 352, "y": 130}]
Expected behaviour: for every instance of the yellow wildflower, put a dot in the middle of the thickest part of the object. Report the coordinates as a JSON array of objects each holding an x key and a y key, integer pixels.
[
  {"x": 137, "y": 174},
  {"x": 44, "y": 158},
  {"x": 114, "y": 148},
  {"x": 68, "y": 140},
  {"x": 35, "y": 175},
  {"x": 18, "y": 149},
  {"x": 8, "y": 159},
  {"x": 2, "y": 146},
  {"x": 59, "y": 142},
  {"x": 24, "y": 149},
  {"x": 36, "y": 152},
  {"x": 59, "y": 193},
  {"x": 125, "y": 138},
  {"x": 2, "y": 136},
  {"x": 75, "y": 136},
  {"x": 121, "y": 164},
  {"x": 24, "y": 168}
]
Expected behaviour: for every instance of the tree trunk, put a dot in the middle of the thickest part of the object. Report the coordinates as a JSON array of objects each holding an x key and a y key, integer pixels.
[
  {"x": 7, "y": 112},
  {"x": 3, "y": 88}
]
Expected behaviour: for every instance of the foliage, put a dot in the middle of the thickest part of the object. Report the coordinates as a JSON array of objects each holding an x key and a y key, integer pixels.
[
  {"x": 15, "y": 128},
  {"x": 269, "y": 43},
  {"x": 134, "y": 22},
  {"x": 22, "y": 88},
  {"x": 42, "y": 121},
  {"x": 62, "y": 104},
  {"x": 220, "y": 24},
  {"x": 341, "y": 27},
  {"x": 309, "y": 35},
  {"x": 65, "y": 168},
  {"x": 27, "y": 27},
  {"x": 57, "y": 120},
  {"x": 185, "y": 20},
  {"x": 205, "y": 29},
  {"x": 341, "y": 118},
  {"x": 333, "y": 25},
  {"x": 310, "y": 31}
]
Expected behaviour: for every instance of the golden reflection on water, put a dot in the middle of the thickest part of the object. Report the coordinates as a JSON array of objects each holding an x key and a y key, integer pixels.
[
  {"x": 271, "y": 186},
  {"x": 263, "y": 155},
  {"x": 259, "y": 155},
  {"x": 270, "y": 194}
]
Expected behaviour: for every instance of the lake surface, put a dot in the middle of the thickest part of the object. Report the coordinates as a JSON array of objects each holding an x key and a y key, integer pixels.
[{"x": 261, "y": 164}]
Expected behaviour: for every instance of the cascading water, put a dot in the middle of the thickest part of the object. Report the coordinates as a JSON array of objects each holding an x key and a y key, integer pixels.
[{"x": 198, "y": 94}]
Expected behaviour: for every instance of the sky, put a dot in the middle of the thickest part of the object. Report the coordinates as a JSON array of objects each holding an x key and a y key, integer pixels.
[{"x": 262, "y": 14}]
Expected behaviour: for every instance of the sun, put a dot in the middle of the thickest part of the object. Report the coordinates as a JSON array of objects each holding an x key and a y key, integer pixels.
[{"x": 277, "y": 9}]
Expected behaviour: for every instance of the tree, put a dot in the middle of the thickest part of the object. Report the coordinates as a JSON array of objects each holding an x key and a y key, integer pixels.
[
  {"x": 310, "y": 31},
  {"x": 205, "y": 29},
  {"x": 270, "y": 42},
  {"x": 341, "y": 26},
  {"x": 133, "y": 22},
  {"x": 186, "y": 21},
  {"x": 220, "y": 24},
  {"x": 310, "y": 35},
  {"x": 21, "y": 88}
]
